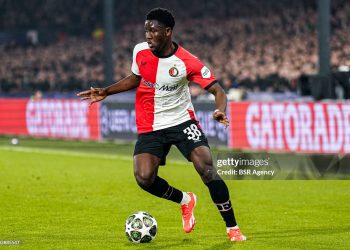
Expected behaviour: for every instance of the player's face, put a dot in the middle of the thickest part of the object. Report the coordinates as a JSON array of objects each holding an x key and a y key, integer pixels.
[{"x": 156, "y": 35}]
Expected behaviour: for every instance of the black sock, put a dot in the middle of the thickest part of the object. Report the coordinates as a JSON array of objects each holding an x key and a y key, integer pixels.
[
  {"x": 219, "y": 194},
  {"x": 162, "y": 189}
]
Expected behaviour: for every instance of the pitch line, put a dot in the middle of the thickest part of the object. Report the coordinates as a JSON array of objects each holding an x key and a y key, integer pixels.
[{"x": 76, "y": 154}]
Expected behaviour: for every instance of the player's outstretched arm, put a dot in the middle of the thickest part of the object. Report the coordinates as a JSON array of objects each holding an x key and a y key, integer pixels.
[
  {"x": 220, "y": 101},
  {"x": 98, "y": 94}
]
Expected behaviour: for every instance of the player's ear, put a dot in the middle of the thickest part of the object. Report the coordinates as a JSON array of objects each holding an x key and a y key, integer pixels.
[{"x": 168, "y": 31}]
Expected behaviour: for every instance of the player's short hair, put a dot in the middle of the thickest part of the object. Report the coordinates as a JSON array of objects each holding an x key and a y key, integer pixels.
[{"x": 162, "y": 15}]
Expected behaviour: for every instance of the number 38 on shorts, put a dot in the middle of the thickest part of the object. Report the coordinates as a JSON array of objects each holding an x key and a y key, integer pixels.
[{"x": 192, "y": 132}]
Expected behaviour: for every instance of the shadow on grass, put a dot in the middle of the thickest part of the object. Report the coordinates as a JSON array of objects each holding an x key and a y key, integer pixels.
[
  {"x": 226, "y": 244},
  {"x": 282, "y": 234},
  {"x": 300, "y": 232},
  {"x": 161, "y": 245}
]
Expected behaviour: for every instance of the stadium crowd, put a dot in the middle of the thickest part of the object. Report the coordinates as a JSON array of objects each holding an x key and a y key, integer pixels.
[{"x": 250, "y": 45}]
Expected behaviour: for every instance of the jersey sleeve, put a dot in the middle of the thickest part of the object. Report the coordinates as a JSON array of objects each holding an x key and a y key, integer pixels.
[
  {"x": 134, "y": 66},
  {"x": 200, "y": 74}
]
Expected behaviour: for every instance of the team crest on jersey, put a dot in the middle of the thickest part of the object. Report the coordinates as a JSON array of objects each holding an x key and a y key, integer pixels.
[{"x": 173, "y": 72}]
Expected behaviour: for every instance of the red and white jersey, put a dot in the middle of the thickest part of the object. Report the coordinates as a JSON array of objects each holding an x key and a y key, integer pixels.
[{"x": 163, "y": 98}]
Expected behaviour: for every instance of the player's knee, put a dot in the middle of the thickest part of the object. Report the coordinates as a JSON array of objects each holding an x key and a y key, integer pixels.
[
  {"x": 207, "y": 172},
  {"x": 144, "y": 179}
]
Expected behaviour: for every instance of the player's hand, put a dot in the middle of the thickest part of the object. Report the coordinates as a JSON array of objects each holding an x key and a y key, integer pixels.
[
  {"x": 93, "y": 95},
  {"x": 221, "y": 117}
]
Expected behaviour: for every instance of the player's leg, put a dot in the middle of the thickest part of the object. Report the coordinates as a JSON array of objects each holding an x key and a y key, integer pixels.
[
  {"x": 203, "y": 163},
  {"x": 150, "y": 152},
  {"x": 146, "y": 175}
]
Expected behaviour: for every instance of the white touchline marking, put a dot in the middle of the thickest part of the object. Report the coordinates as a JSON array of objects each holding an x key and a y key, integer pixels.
[{"x": 78, "y": 154}]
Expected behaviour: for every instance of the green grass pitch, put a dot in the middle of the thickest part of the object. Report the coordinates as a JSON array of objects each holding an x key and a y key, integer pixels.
[{"x": 77, "y": 195}]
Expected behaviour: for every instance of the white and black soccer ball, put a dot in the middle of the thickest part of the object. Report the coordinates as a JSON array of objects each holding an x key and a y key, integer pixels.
[{"x": 141, "y": 227}]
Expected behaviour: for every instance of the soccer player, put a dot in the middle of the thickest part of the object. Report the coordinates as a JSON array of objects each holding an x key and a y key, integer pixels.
[{"x": 161, "y": 70}]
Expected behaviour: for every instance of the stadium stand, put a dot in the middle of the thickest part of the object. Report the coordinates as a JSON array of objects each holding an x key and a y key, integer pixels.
[{"x": 266, "y": 51}]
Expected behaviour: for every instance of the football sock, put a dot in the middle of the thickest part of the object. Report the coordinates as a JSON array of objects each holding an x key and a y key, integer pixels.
[
  {"x": 185, "y": 198},
  {"x": 162, "y": 189},
  {"x": 220, "y": 196}
]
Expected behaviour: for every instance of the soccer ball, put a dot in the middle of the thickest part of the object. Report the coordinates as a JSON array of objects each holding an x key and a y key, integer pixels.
[{"x": 141, "y": 227}]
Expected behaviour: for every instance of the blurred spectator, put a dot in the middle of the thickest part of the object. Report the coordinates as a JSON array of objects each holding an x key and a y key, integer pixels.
[
  {"x": 38, "y": 95},
  {"x": 262, "y": 46}
]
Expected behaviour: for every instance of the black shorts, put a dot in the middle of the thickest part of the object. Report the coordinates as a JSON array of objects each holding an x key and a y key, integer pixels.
[{"x": 185, "y": 136}]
